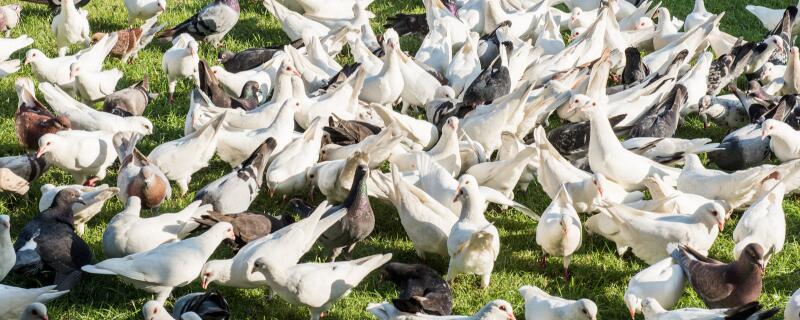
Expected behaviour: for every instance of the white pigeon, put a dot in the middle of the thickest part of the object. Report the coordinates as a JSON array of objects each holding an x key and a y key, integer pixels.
[
  {"x": 318, "y": 285},
  {"x": 792, "y": 311},
  {"x": 94, "y": 86},
  {"x": 15, "y": 300},
  {"x": 559, "y": 229},
  {"x": 654, "y": 311},
  {"x": 734, "y": 188},
  {"x": 287, "y": 171},
  {"x": 83, "y": 154},
  {"x": 10, "y": 45},
  {"x": 84, "y": 117},
  {"x": 181, "y": 61},
  {"x": 419, "y": 86},
  {"x": 167, "y": 266},
  {"x": 649, "y": 234},
  {"x": 494, "y": 310},
  {"x": 286, "y": 246},
  {"x": 34, "y": 311},
  {"x": 236, "y": 145},
  {"x": 764, "y": 222},
  {"x": 128, "y": 233},
  {"x": 10, "y": 14},
  {"x": 784, "y": 141},
  {"x": 70, "y": 26},
  {"x": 179, "y": 159},
  {"x": 663, "y": 281},
  {"x": 474, "y": 242},
  {"x": 446, "y": 152},
  {"x": 418, "y": 131},
  {"x": 465, "y": 66},
  {"x": 7, "y": 254},
  {"x": 93, "y": 200},
  {"x": 426, "y": 222},
  {"x": 541, "y": 306},
  {"x": 386, "y": 86},
  {"x": 666, "y": 32},
  {"x": 293, "y": 23},
  {"x": 667, "y": 150},
  {"x": 698, "y": 16},
  {"x": 144, "y": 9},
  {"x": 56, "y": 70},
  {"x": 436, "y": 49},
  {"x": 667, "y": 199},
  {"x": 502, "y": 175},
  {"x": 769, "y": 18}
]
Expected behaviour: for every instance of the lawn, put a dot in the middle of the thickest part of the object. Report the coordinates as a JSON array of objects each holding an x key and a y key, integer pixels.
[{"x": 598, "y": 274}]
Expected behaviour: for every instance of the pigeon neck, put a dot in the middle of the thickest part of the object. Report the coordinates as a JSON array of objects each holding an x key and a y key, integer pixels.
[
  {"x": 224, "y": 271},
  {"x": 699, "y": 6},
  {"x": 472, "y": 208},
  {"x": 601, "y": 132},
  {"x": 358, "y": 195}
]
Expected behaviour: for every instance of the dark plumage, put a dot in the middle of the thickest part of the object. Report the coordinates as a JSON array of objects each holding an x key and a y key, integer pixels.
[
  {"x": 357, "y": 224},
  {"x": 422, "y": 289},
  {"x": 783, "y": 29},
  {"x": 56, "y": 246},
  {"x": 448, "y": 109},
  {"x": 635, "y": 70},
  {"x": 347, "y": 132},
  {"x": 756, "y": 105},
  {"x": 210, "y": 24},
  {"x": 662, "y": 121},
  {"x": 247, "y": 59},
  {"x": 300, "y": 207},
  {"x": 741, "y": 149},
  {"x": 722, "y": 285},
  {"x": 211, "y": 86},
  {"x": 408, "y": 23},
  {"x": 33, "y": 120},
  {"x": 56, "y": 4},
  {"x": 209, "y": 305},
  {"x": 130, "y": 101},
  {"x": 788, "y": 111},
  {"x": 489, "y": 44},
  {"x": 493, "y": 82},
  {"x": 572, "y": 139},
  {"x": 729, "y": 67},
  {"x": 247, "y": 226}
]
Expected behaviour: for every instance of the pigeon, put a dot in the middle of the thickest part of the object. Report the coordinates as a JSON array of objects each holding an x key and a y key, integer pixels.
[
  {"x": 357, "y": 224},
  {"x": 11, "y": 45},
  {"x": 317, "y": 285},
  {"x": 405, "y": 24},
  {"x": 7, "y": 254},
  {"x": 722, "y": 285},
  {"x": 240, "y": 86},
  {"x": 17, "y": 172},
  {"x": 287, "y": 171},
  {"x": 648, "y": 234},
  {"x": 181, "y": 61},
  {"x": 635, "y": 70},
  {"x": 668, "y": 150},
  {"x": 128, "y": 233},
  {"x": 70, "y": 26},
  {"x": 347, "y": 132},
  {"x": 248, "y": 100},
  {"x": 92, "y": 201},
  {"x": 179, "y": 159},
  {"x": 540, "y": 305},
  {"x": 247, "y": 59},
  {"x": 494, "y": 310},
  {"x": 764, "y": 221},
  {"x": 49, "y": 242},
  {"x": 663, "y": 281},
  {"x": 85, "y": 155},
  {"x": 236, "y": 145},
  {"x": 741, "y": 149},
  {"x": 16, "y": 300},
  {"x": 130, "y": 101},
  {"x": 88, "y": 118},
  {"x": 782, "y": 139},
  {"x": 209, "y": 305},
  {"x": 735, "y": 188},
  {"x": 751, "y": 311},
  {"x": 144, "y": 9},
  {"x": 9, "y": 18},
  {"x": 474, "y": 242},
  {"x": 502, "y": 176},
  {"x": 386, "y": 86},
  {"x": 34, "y": 311},
  {"x": 559, "y": 230},
  {"x": 727, "y": 113},
  {"x": 167, "y": 266},
  {"x": 131, "y": 41},
  {"x": 662, "y": 121},
  {"x": 210, "y": 24},
  {"x": 235, "y": 191},
  {"x": 493, "y": 82},
  {"x": 465, "y": 67},
  {"x": 698, "y": 16},
  {"x": 792, "y": 311},
  {"x": 422, "y": 289},
  {"x": 94, "y": 86},
  {"x": 32, "y": 119},
  {"x": 137, "y": 176},
  {"x": 247, "y": 226},
  {"x": 446, "y": 152}
]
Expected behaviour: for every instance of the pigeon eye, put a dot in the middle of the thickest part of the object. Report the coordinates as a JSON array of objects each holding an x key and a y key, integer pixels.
[
  {"x": 714, "y": 213},
  {"x": 503, "y": 308},
  {"x": 155, "y": 310},
  {"x": 35, "y": 313}
]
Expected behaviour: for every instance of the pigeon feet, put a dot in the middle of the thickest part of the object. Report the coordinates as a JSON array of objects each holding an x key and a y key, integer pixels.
[
  {"x": 92, "y": 182},
  {"x": 567, "y": 275},
  {"x": 543, "y": 262}
]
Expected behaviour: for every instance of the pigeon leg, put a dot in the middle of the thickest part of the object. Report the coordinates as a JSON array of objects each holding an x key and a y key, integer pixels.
[
  {"x": 91, "y": 182},
  {"x": 485, "y": 279},
  {"x": 543, "y": 261},
  {"x": 183, "y": 185},
  {"x": 62, "y": 51},
  {"x": 335, "y": 252},
  {"x": 567, "y": 274}
]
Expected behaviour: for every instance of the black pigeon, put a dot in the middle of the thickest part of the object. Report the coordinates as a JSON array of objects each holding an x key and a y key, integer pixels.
[
  {"x": 300, "y": 207},
  {"x": 211, "y": 24},
  {"x": 493, "y": 82},
  {"x": 357, "y": 224},
  {"x": 422, "y": 289},
  {"x": 635, "y": 70},
  {"x": 130, "y": 101},
  {"x": 211, "y": 86},
  {"x": 209, "y": 305},
  {"x": 347, "y": 132},
  {"x": 662, "y": 121},
  {"x": 741, "y": 149},
  {"x": 572, "y": 139},
  {"x": 408, "y": 23},
  {"x": 447, "y": 109},
  {"x": 55, "y": 245},
  {"x": 247, "y": 226},
  {"x": 251, "y": 58},
  {"x": 722, "y": 285},
  {"x": 788, "y": 110}
]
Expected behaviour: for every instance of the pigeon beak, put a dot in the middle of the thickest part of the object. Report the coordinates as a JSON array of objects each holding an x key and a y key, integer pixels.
[
  {"x": 721, "y": 226},
  {"x": 45, "y": 318},
  {"x": 511, "y": 316},
  {"x": 764, "y": 134},
  {"x": 632, "y": 311},
  {"x": 271, "y": 192},
  {"x": 81, "y": 202},
  {"x": 761, "y": 266},
  {"x": 41, "y": 152},
  {"x": 458, "y": 193},
  {"x": 204, "y": 282},
  {"x": 26, "y": 61}
]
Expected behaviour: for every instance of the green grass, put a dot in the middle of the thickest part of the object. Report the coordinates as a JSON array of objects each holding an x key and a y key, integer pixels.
[{"x": 598, "y": 273}]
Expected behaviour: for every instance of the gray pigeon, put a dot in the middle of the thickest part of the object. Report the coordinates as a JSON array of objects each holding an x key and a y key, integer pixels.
[
  {"x": 357, "y": 225},
  {"x": 130, "y": 101},
  {"x": 662, "y": 121},
  {"x": 233, "y": 192},
  {"x": 211, "y": 24}
]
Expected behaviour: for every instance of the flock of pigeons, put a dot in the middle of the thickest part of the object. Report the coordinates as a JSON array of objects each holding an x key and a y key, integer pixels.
[{"x": 485, "y": 83}]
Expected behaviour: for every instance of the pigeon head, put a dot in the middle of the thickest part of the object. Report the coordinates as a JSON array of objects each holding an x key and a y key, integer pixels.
[
  {"x": 587, "y": 309},
  {"x": 769, "y": 127},
  {"x": 775, "y": 42},
  {"x": 752, "y": 256},
  {"x": 35, "y": 311},
  {"x": 225, "y": 229},
  {"x": 33, "y": 56},
  {"x": 287, "y": 68},
  {"x": 599, "y": 182},
  {"x": 651, "y": 308},
  {"x": 153, "y": 310},
  {"x": 250, "y": 90},
  {"x": 97, "y": 36},
  {"x": 224, "y": 56},
  {"x": 498, "y": 310},
  {"x": 445, "y": 92},
  {"x": 575, "y": 16},
  {"x": 214, "y": 271},
  {"x": 467, "y": 184},
  {"x": 5, "y": 222},
  {"x": 576, "y": 33},
  {"x": 633, "y": 303},
  {"x": 141, "y": 125},
  {"x": 644, "y": 23},
  {"x": 48, "y": 143},
  {"x": 452, "y": 124},
  {"x": 582, "y": 103},
  {"x": 713, "y": 214},
  {"x": 66, "y": 198},
  {"x": 162, "y": 5},
  {"x": 260, "y": 265}
]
